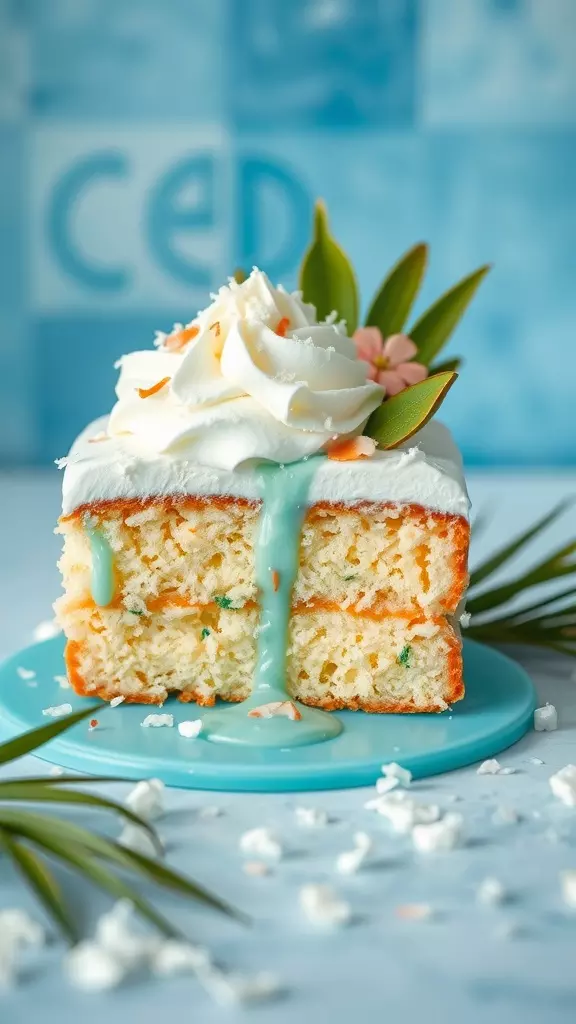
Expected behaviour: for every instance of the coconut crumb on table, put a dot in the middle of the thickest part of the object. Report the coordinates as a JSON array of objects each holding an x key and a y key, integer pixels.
[
  {"x": 546, "y": 719},
  {"x": 191, "y": 729},
  {"x": 262, "y": 843},
  {"x": 147, "y": 799},
  {"x": 46, "y": 630},
  {"x": 393, "y": 776},
  {"x": 403, "y": 811},
  {"x": 63, "y": 682},
  {"x": 563, "y": 785},
  {"x": 324, "y": 907},
  {"x": 349, "y": 862},
  {"x": 311, "y": 817},
  {"x": 18, "y": 932},
  {"x": 439, "y": 836},
  {"x": 491, "y": 892}
]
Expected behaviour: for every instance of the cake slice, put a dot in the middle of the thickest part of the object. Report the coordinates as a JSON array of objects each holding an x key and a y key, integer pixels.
[{"x": 162, "y": 515}]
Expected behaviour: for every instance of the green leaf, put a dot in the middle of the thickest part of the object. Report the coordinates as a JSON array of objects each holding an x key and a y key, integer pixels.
[
  {"x": 33, "y": 824},
  {"x": 29, "y": 741},
  {"x": 560, "y": 563},
  {"x": 40, "y": 792},
  {"x": 448, "y": 364},
  {"x": 392, "y": 303},
  {"x": 42, "y": 882},
  {"x": 402, "y": 415},
  {"x": 502, "y": 556},
  {"x": 327, "y": 278},
  {"x": 435, "y": 326}
]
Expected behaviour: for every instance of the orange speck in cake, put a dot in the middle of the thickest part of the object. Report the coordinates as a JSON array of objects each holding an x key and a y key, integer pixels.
[
  {"x": 283, "y": 326},
  {"x": 147, "y": 392},
  {"x": 349, "y": 449},
  {"x": 179, "y": 339}
]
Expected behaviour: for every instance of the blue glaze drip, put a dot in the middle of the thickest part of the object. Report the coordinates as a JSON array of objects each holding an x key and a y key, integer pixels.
[
  {"x": 284, "y": 491},
  {"x": 102, "y": 578}
]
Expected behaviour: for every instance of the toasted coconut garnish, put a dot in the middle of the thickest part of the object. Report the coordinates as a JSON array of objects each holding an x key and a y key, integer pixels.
[
  {"x": 178, "y": 340},
  {"x": 146, "y": 392},
  {"x": 216, "y": 328},
  {"x": 284, "y": 708},
  {"x": 349, "y": 449},
  {"x": 102, "y": 436},
  {"x": 275, "y": 580},
  {"x": 283, "y": 326}
]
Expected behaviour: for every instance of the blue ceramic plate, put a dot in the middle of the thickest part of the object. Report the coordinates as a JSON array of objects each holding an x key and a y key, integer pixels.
[{"x": 495, "y": 713}]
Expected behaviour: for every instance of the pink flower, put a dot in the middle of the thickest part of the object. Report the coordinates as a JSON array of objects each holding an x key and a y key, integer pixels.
[{"x": 389, "y": 361}]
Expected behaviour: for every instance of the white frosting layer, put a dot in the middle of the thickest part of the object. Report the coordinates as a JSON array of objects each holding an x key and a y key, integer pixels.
[
  {"x": 427, "y": 470},
  {"x": 261, "y": 379}
]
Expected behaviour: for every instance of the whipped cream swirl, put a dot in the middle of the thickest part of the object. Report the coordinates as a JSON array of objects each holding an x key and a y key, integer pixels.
[{"x": 253, "y": 376}]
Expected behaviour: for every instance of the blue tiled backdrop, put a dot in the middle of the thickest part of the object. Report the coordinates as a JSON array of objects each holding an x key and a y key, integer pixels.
[{"x": 147, "y": 147}]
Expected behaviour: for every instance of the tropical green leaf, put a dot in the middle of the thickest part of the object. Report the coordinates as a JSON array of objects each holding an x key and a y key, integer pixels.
[
  {"x": 560, "y": 563},
  {"x": 40, "y": 879},
  {"x": 448, "y": 364},
  {"x": 327, "y": 278},
  {"x": 435, "y": 326},
  {"x": 34, "y": 738},
  {"x": 393, "y": 301},
  {"x": 504, "y": 554},
  {"x": 41, "y": 792},
  {"x": 32, "y": 824},
  {"x": 402, "y": 415}
]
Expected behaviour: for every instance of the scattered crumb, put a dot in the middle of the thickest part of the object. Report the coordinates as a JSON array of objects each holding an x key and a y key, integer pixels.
[
  {"x": 568, "y": 884},
  {"x": 323, "y": 907},
  {"x": 210, "y": 811},
  {"x": 93, "y": 724},
  {"x": 536, "y": 760},
  {"x": 235, "y": 989},
  {"x": 46, "y": 630},
  {"x": 137, "y": 839},
  {"x": 91, "y": 968},
  {"x": 56, "y": 770},
  {"x": 563, "y": 785},
  {"x": 394, "y": 775},
  {"x": 147, "y": 799},
  {"x": 507, "y": 771},
  {"x": 26, "y": 673},
  {"x": 261, "y": 842},
  {"x": 175, "y": 957},
  {"x": 281, "y": 708},
  {"x": 18, "y": 932},
  {"x": 546, "y": 719},
  {"x": 57, "y": 711},
  {"x": 491, "y": 767},
  {"x": 190, "y": 729},
  {"x": 348, "y": 863},
  {"x": 403, "y": 811},
  {"x": 256, "y": 868},
  {"x": 414, "y": 912},
  {"x": 506, "y": 816},
  {"x": 116, "y": 701},
  {"x": 157, "y": 721},
  {"x": 439, "y": 836},
  {"x": 465, "y": 620},
  {"x": 63, "y": 682},
  {"x": 491, "y": 892},
  {"x": 311, "y": 817}
]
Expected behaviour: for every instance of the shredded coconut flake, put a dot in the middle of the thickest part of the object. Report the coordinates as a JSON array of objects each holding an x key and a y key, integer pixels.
[
  {"x": 324, "y": 907},
  {"x": 116, "y": 701},
  {"x": 191, "y": 729},
  {"x": 394, "y": 775},
  {"x": 563, "y": 785},
  {"x": 439, "y": 836},
  {"x": 491, "y": 767},
  {"x": 138, "y": 840},
  {"x": 173, "y": 957},
  {"x": 465, "y": 620},
  {"x": 311, "y": 817},
  {"x": 350, "y": 862},
  {"x": 210, "y": 811},
  {"x": 261, "y": 842},
  {"x": 546, "y": 719},
  {"x": 91, "y": 968},
  {"x": 491, "y": 892},
  {"x": 63, "y": 682},
  {"x": 506, "y": 816},
  {"x": 147, "y": 799},
  {"x": 157, "y": 721},
  {"x": 57, "y": 711},
  {"x": 403, "y": 811},
  {"x": 18, "y": 932}
]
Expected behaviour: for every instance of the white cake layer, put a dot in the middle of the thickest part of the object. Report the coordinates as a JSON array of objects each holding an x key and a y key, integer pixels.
[{"x": 427, "y": 471}]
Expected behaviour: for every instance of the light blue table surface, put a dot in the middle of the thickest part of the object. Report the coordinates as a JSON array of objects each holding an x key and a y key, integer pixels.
[{"x": 456, "y": 967}]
